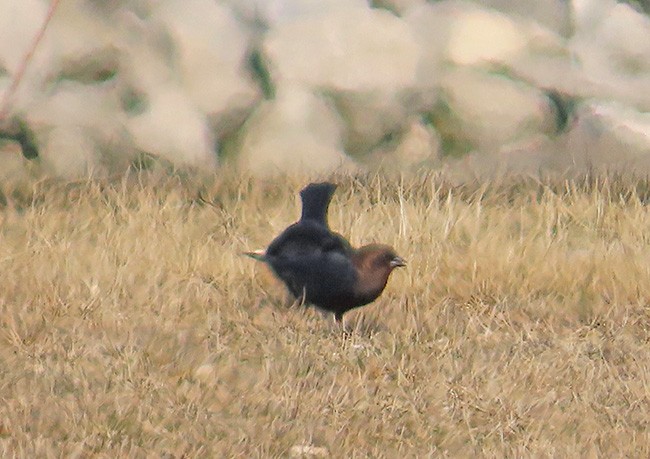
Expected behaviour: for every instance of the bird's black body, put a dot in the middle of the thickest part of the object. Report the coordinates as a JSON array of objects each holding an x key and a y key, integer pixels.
[
  {"x": 316, "y": 264},
  {"x": 326, "y": 280}
]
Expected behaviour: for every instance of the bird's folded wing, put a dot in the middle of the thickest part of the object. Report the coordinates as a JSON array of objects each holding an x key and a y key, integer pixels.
[{"x": 305, "y": 238}]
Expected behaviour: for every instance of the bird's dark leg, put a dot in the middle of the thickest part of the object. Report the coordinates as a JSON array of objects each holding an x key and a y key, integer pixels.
[{"x": 338, "y": 320}]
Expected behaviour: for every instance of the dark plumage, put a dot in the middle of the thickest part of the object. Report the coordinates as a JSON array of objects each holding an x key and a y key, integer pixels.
[{"x": 320, "y": 267}]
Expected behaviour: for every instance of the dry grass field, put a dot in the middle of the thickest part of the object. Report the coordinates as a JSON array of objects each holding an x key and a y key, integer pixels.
[{"x": 131, "y": 326}]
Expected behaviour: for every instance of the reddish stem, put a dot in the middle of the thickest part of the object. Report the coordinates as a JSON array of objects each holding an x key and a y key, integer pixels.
[{"x": 5, "y": 105}]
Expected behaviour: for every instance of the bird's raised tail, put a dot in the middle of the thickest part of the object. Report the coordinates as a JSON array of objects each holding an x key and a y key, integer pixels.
[
  {"x": 316, "y": 199},
  {"x": 258, "y": 255}
]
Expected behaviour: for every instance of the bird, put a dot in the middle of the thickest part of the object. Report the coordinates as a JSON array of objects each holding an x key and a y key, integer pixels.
[{"x": 320, "y": 267}]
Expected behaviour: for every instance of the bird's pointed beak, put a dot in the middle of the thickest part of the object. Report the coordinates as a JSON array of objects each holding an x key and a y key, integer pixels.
[{"x": 397, "y": 262}]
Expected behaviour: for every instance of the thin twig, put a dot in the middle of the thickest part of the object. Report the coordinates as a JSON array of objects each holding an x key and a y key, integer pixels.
[{"x": 5, "y": 105}]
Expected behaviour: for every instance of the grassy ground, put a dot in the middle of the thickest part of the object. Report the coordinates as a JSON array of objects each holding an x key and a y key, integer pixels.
[{"x": 131, "y": 326}]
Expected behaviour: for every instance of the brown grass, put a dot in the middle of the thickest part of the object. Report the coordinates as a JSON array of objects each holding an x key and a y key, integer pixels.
[{"x": 131, "y": 326}]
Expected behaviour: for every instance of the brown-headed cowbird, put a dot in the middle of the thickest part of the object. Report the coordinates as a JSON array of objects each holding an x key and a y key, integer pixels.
[{"x": 320, "y": 267}]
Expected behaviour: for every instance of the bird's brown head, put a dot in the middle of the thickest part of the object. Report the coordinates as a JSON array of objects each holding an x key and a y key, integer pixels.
[
  {"x": 382, "y": 257},
  {"x": 374, "y": 264}
]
